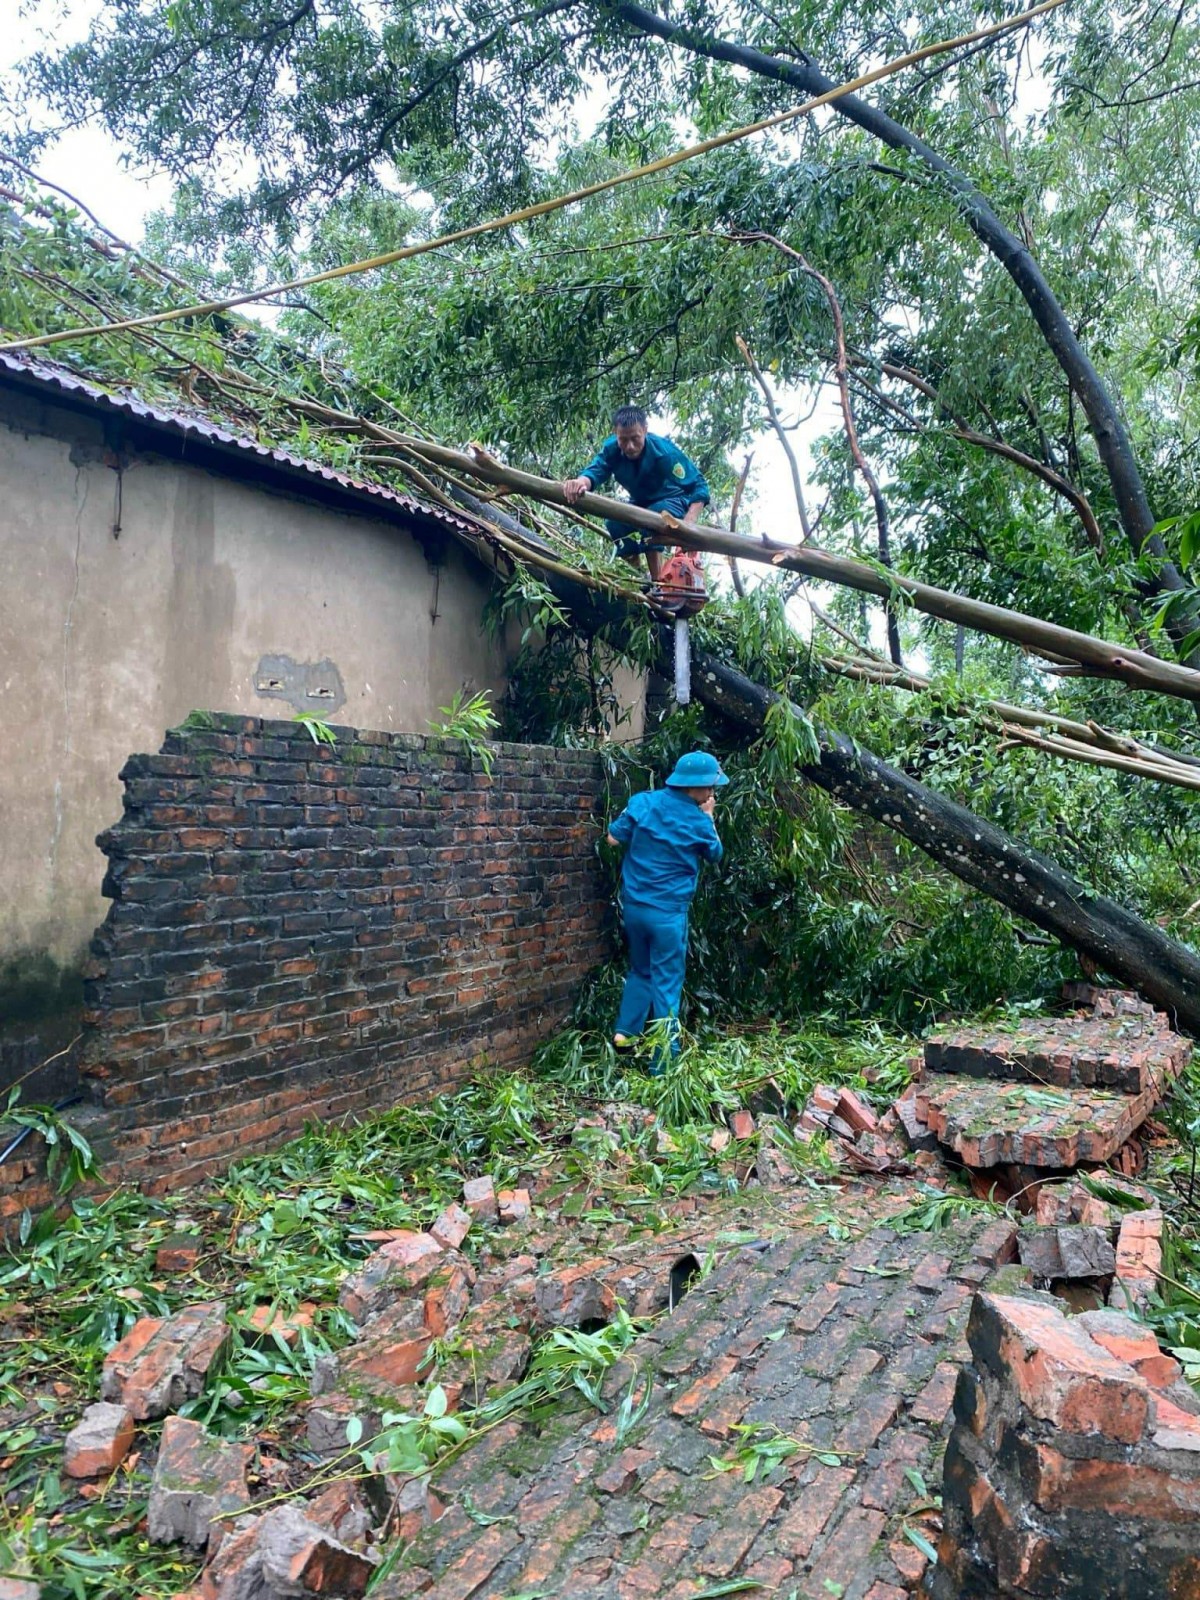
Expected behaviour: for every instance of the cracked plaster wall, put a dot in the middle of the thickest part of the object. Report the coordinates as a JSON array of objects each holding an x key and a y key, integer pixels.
[{"x": 108, "y": 640}]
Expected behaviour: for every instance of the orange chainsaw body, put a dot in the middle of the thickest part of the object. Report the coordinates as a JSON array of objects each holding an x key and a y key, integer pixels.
[{"x": 681, "y": 583}]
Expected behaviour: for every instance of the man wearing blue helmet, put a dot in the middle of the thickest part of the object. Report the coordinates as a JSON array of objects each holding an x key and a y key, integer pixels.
[{"x": 666, "y": 834}]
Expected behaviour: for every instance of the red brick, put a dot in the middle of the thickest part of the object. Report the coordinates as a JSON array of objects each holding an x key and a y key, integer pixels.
[
  {"x": 661, "y": 1558},
  {"x": 402, "y": 1265},
  {"x": 849, "y": 1546},
  {"x": 448, "y": 1298},
  {"x": 573, "y": 1295},
  {"x": 161, "y": 1364},
  {"x": 692, "y": 1400},
  {"x": 932, "y": 1273},
  {"x": 99, "y": 1441},
  {"x": 888, "y": 1489},
  {"x": 865, "y": 1424},
  {"x": 515, "y": 1205},
  {"x": 810, "y": 1317},
  {"x": 934, "y": 1401},
  {"x": 741, "y": 1124},
  {"x": 624, "y": 1472},
  {"x": 270, "y": 1322},
  {"x": 451, "y": 1228},
  {"x": 1123, "y": 1488},
  {"x": 727, "y": 1544},
  {"x": 907, "y": 1560},
  {"x": 721, "y": 1419},
  {"x": 179, "y": 1253},
  {"x": 811, "y": 1508},
  {"x": 479, "y": 1198},
  {"x": 854, "y": 1110},
  {"x": 1059, "y": 1373}
]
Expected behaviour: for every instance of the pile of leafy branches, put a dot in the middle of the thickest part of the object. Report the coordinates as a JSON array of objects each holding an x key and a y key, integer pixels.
[{"x": 283, "y": 1229}]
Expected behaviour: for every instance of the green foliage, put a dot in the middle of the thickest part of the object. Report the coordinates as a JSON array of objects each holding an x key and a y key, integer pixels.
[
  {"x": 762, "y": 1450},
  {"x": 319, "y": 732},
  {"x": 69, "y": 1156},
  {"x": 471, "y": 719},
  {"x": 936, "y": 1209}
]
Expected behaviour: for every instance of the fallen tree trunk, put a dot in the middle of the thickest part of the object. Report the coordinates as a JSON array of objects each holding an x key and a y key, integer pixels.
[
  {"x": 1095, "y": 657},
  {"x": 980, "y": 854},
  {"x": 974, "y": 850}
]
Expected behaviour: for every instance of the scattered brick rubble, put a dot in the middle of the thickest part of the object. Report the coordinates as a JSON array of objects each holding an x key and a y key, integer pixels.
[
  {"x": 830, "y": 1331},
  {"x": 1074, "y": 1467},
  {"x": 1038, "y": 1100}
]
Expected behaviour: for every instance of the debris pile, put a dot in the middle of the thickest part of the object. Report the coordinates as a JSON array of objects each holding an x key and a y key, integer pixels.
[{"x": 1029, "y": 1104}]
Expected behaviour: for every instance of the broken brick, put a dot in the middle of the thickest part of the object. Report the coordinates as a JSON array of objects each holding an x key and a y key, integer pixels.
[
  {"x": 159, "y": 1365},
  {"x": 935, "y": 1399},
  {"x": 196, "y": 1478},
  {"x": 479, "y": 1198},
  {"x": 852, "y": 1109},
  {"x": 448, "y": 1297},
  {"x": 99, "y": 1441},
  {"x": 399, "y": 1267},
  {"x": 515, "y": 1205},
  {"x": 282, "y": 1553},
  {"x": 341, "y": 1510},
  {"x": 178, "y": 1253},
  {"x": 571, "y": 1296},
  {"x": 1059, "y": 1373},
  {"x": 741, "y": 1124},
  {"x": 452, "y": 1227},
  {"x": 390, "y": 1354},
  {"x": 271, "y": 1323},
  {"x": 1138, "y": 1259},
  {"x": 624, "y": 1472}
]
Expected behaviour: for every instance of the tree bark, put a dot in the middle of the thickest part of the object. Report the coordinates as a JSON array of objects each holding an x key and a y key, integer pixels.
[
  {"x": 1162, "y": 970},
  {"x": 1096, "y": 657},
  {"x": 981, "y": 855},
  {"x": 1011, "y": 252}
]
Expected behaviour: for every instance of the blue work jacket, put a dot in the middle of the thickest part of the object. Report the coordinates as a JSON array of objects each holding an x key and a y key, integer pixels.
[
  {"x": 666, "y": 836},
  {"x": 662, "y": 474}
]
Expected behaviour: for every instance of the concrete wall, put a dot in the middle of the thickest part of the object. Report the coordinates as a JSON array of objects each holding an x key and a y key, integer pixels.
[{"x": 211, "y": 590}]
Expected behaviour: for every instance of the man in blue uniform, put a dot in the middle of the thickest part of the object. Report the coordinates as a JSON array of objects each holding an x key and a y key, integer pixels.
[
  {"x": 656, "y": 473},
  {"x": 666, "y": 834}
]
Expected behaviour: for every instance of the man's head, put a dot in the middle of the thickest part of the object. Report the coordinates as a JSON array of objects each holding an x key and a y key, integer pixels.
[
  {"x": 698, "y": 774},
  {"x": 629, "y": 425}
]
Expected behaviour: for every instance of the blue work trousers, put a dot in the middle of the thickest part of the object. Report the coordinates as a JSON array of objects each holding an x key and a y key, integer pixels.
[
  {"x": 657, "y": 961},
  {"x": 628, "y": 539}
]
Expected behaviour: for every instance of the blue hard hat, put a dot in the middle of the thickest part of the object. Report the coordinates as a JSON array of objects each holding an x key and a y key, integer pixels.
[{"x": 697, "y": 770}]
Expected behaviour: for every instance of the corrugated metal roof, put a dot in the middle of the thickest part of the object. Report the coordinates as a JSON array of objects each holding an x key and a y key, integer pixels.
[{"x": 193, "y": 423}]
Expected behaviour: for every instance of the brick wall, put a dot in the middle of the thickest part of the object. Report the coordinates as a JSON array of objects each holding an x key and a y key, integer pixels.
[{"x": 302, "y": 932}]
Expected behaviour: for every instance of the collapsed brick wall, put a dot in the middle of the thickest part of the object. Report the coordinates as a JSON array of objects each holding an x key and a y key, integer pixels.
[
  {"x": 1073, "y": 1471},
  {"x": 300, "y": 931}
]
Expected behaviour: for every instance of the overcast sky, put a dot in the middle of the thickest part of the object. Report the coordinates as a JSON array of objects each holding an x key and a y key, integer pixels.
[{"x": 90, "y": 165}]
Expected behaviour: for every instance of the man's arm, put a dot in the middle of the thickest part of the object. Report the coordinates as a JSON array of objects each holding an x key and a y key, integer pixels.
[
  {"x": 620, "y": 830},
  {"x": 597, "y": 472},
  {"x": 712, "y": 849}
]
